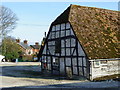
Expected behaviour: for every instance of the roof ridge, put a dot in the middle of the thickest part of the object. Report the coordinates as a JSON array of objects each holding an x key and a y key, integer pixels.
[{"x": 73, "y": 5}]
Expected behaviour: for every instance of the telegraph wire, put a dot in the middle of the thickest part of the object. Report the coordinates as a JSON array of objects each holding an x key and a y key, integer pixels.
[{"x": 38, "y": 25}]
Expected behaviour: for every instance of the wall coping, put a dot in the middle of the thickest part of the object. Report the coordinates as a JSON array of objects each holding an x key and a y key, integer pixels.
[{"x": 111, "y": 59}]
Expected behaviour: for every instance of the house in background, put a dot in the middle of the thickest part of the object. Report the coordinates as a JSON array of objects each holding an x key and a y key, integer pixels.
[
  {"x": 26, "y": 49},
  {"x": 35, "y": 49},
  {"x": 82, "y": 41}
]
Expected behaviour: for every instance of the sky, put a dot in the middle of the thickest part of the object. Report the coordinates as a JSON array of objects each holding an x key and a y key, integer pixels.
[{"x": 35, "y": 17}]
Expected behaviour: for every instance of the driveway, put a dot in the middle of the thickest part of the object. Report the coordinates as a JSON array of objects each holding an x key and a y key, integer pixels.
[{"x": 28, "y": 75}]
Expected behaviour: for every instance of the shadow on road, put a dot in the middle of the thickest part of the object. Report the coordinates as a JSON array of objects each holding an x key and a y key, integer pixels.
[
  {"x": 76, "y": 86},
  {"x": 27, "y": 72},
  {"x": 31, "y": 71}
]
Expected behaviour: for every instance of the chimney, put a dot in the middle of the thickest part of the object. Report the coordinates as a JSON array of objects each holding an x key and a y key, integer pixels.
[
  {"x": 25, "y": 41},
  {"x": 36, "y": 43},
  {"x": 17, "y": 40}
]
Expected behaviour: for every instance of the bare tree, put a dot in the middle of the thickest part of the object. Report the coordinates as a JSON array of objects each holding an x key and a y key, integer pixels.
[{"x": 7, "y": 20}]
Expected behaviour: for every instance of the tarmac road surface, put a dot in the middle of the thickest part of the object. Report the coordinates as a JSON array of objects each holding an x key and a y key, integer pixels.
[{"x": 28, "y": 75}]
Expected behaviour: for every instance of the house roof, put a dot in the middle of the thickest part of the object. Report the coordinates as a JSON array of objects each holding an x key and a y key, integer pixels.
[
  {"x": 96, "y": 29},
  {"x": 23, "y": 45},
  {"x": 35, "y": 46}
]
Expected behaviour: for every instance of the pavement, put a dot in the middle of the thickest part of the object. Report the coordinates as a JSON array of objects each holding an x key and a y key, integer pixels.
[{"x": 28, "y": 75}]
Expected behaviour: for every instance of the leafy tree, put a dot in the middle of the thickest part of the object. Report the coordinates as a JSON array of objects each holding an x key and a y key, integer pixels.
[{"x": 10, "y": 48}]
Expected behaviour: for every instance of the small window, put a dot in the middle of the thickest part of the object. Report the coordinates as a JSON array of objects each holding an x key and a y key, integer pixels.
[{"x": 58, "y": 46}]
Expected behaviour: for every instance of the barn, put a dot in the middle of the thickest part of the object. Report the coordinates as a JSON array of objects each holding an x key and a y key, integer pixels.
[{"x": 79, "y": 37}]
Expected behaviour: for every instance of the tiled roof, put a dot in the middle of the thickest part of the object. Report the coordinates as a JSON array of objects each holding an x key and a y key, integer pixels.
[
  {"x": 35, "y": 46},
  {"x": 25, "y": 46},
  {"x": 96, "y": 29}
]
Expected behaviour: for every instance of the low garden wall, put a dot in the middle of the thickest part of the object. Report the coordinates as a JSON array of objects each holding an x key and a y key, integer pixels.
[{"x": 104, "y": 67}]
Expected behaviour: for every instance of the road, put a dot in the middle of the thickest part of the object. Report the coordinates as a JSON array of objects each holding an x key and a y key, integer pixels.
[{"x": 28, "y": 75}]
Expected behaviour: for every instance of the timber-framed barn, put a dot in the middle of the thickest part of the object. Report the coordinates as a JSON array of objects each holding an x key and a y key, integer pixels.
[{"x": 80, "y": 34}]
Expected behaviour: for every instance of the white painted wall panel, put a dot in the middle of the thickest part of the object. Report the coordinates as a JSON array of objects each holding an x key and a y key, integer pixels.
[
  {"x": 80, "y": 61},
  {"x": 44, "y": 51},
  {"x": 67, "y": 32},
  {"x": 84, "y": 61},
  {"x": 80, "y": 71},
  {"x": 74, "y": 54},
  {"x": 72, "y": 33},
  {"x": 51, "y": 43},
  {"x": 63, "y": 26},
  {"x": 48, "y": 60},
  {"x": 67, "y": 42},
  {"x": 57, "y": 34},
  {"x": 52, "y": 49},
  {"x": 57, "y": 27},
  {"x": 62, "y": 33},
  {"x": 62, "y": 66},
  {"x": 73, "y": 42},
  {"x": 49, "y": 66},
  {"x": 80, "y": 50},
  {"x": 57, "y": 54},
  {"x": 85, "y": 72},
  {"x": 72, "y": 49},
  {"x": 62, "y": 43},
  {"x": 68, "y": 51},
  {"x": 74, "y": 61},
  {"x": 62, "y": 51},
  {"x": 49, "y": 37},
  {"x": 53, "y": 35},
  {"x": 53, "y": 28},
  {"x": 75, "y": 70},
  {"x": 68, "y": 61},
  {"x": 48, "y": 52},
  {"x": 42, "y": 57},
  {"x": 67, "y": 25}
]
